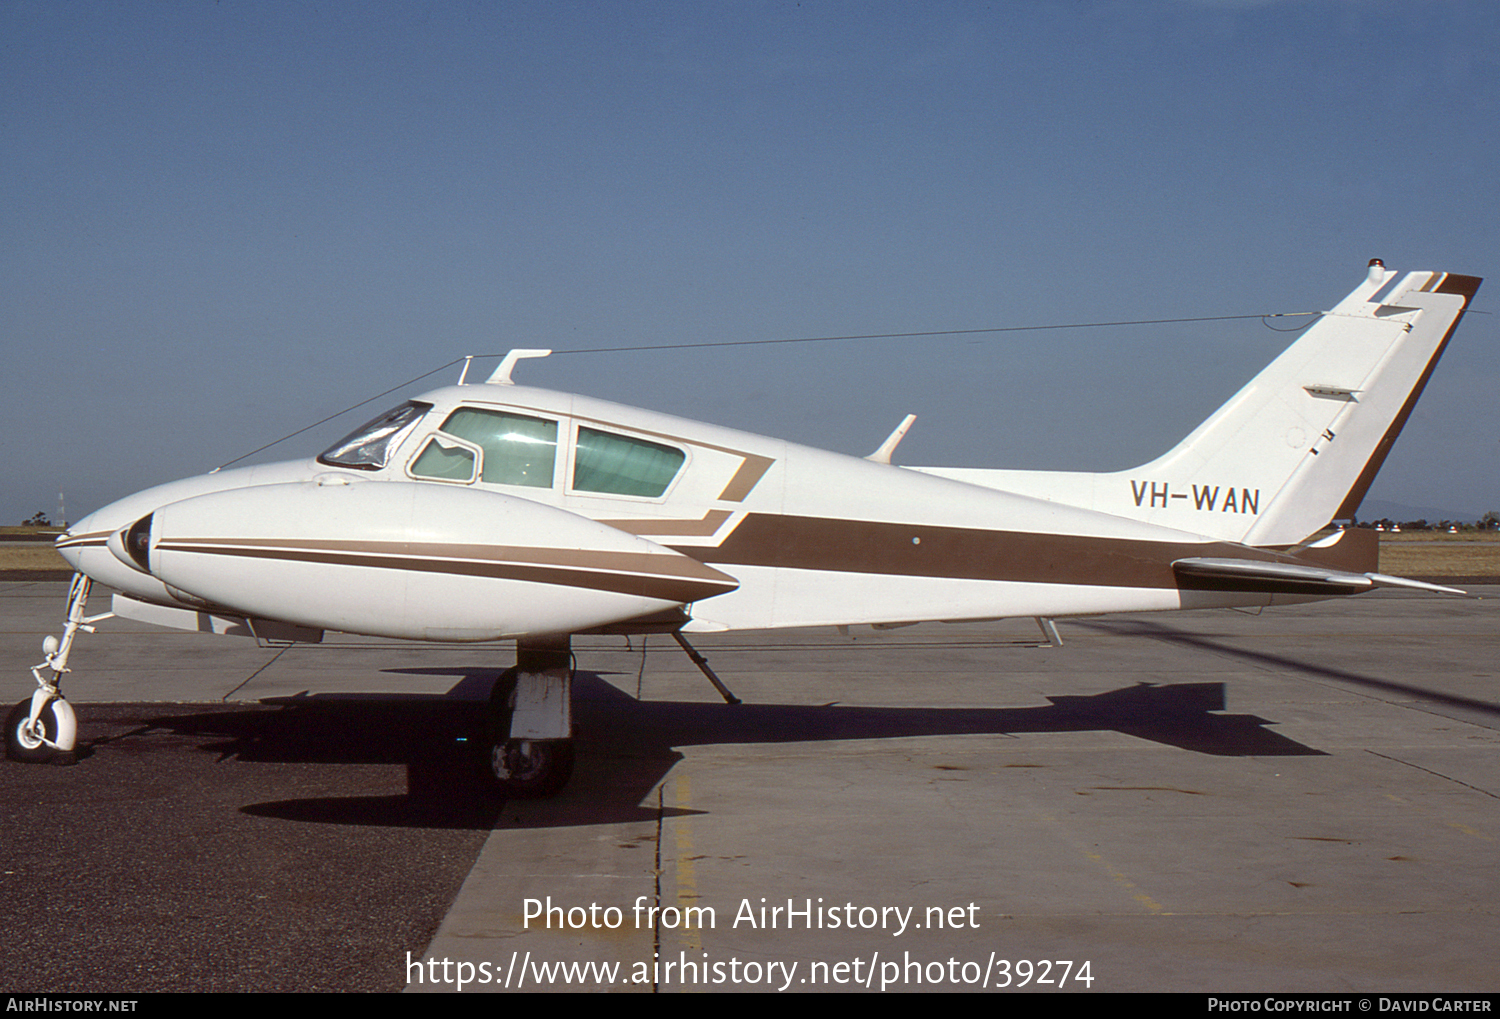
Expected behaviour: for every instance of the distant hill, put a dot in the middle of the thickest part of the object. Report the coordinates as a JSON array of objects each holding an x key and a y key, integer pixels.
[{"x": 1376, "y": 509}]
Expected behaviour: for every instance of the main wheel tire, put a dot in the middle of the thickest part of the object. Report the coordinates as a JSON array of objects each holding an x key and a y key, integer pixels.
[
  {"x": 530, "y": 769},
  {"x": 24, "y": 744}
]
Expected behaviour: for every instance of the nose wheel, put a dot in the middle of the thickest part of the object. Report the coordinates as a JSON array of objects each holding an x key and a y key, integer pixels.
[{"x": 49, "y": 737}]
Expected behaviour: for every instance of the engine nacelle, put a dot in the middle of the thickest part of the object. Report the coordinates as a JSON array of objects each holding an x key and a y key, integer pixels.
[{"x": 411, "y": 560}]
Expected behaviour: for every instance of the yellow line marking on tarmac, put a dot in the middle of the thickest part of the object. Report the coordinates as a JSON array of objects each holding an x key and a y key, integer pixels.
[
  {"x": 1125, "y": 882},
  {"x": 687, "y": 874},
  {"x": 1114, "y": 873},
  {"x": 1470, "y": 831}
]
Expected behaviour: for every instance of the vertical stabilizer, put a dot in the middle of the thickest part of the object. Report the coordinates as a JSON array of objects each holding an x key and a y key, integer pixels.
[{"x": 1300, "y": 444}]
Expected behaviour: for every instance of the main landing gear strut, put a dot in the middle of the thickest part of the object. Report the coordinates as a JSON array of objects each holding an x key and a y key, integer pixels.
[
  {"x": 43, "y": 728},
  {"x": 531, "y": 721}
]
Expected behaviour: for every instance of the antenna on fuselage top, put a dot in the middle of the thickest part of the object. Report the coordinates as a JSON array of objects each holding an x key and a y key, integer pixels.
[
  {"x": 502, "y": 373},
  {"x": 883, "y": 454}
]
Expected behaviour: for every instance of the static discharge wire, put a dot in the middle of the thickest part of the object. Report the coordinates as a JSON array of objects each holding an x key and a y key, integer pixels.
[{"x": 1265, "y": 320}]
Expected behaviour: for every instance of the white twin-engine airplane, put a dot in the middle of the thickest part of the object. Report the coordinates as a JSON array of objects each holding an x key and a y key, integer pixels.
[{"x": 494, "y": 511}]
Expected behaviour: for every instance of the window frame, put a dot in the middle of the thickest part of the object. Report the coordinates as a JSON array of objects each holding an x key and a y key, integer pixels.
[
  {"x": 393, "y": 443},
  {"x": 609, "y": 428},
  {"x": 438, "y": 435},
  {"x": 561, "y": 423}
]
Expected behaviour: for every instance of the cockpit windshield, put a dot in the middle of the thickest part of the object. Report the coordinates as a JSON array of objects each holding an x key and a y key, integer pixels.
[{"x": 369, "y": 446}]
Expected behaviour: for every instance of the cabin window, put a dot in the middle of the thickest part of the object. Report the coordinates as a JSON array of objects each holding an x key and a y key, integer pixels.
[
  {"x": 621, "y": 465},
  {"x": 446, "y": 460},
  {"x": 518, "y": 450},
  {"x": 369, "y": 446}
]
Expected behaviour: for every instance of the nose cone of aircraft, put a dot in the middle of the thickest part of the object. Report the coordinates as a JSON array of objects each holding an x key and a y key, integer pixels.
[
  {"x": 86, "y": 545},
  {"x": 71, "y": 543}
]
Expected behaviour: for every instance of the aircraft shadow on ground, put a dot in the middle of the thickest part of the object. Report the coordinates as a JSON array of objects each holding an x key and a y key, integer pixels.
[
  {"x": 1221, "y": 644},
  {"x": 626, "y": 747}
]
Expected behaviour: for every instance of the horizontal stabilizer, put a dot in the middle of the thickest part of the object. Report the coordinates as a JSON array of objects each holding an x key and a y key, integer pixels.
[
  {"x": 1208, "y": 574},
  {"x": 1382, "y": 580},
  {"x": 1255, "y": 575}
]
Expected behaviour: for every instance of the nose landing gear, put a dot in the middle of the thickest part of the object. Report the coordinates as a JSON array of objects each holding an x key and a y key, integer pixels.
[{"x": 43, "y": 727}]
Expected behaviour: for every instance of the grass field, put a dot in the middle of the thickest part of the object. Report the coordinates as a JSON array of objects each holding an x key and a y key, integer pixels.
[
  {"x": 1409, "y": 554},
  {"x": 1439, "y": 554},
  {"x": 15, "y": 555}
]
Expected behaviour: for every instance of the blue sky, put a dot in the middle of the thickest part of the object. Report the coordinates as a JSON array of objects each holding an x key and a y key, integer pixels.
[{"x": 223, "y": 221}]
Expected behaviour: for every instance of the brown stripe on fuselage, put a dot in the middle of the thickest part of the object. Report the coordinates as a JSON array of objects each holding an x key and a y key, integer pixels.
[
  {"x": 959, "y": 553},
  {"x": 1356, "y": 551},
  {"x": 78, "y": 540},
  {"x": 666, "y": 578},
  {"x": 590, "y": 559}
]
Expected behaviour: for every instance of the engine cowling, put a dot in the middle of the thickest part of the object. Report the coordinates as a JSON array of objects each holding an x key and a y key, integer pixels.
[{"x": 411, "y": 560}]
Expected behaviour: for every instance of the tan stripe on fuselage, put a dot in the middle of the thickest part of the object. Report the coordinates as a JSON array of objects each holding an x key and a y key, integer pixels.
[
  {"x": 751, "y": 471},
  {"x": 675, "y": 583},
  {"x": 654, "y": 564},
  {"x": 79, "y": 540},
  {"x": 704, "y": 526}
]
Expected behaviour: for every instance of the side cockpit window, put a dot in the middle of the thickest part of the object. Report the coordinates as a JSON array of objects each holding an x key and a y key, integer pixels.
[
  {"x": 514, "y": 449},
  {"x": 622, "y": 465},
  {"x": 499, "y": 447},
  {"x": 445, "y": 459},
  {"x": 369, "y": 447}
]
